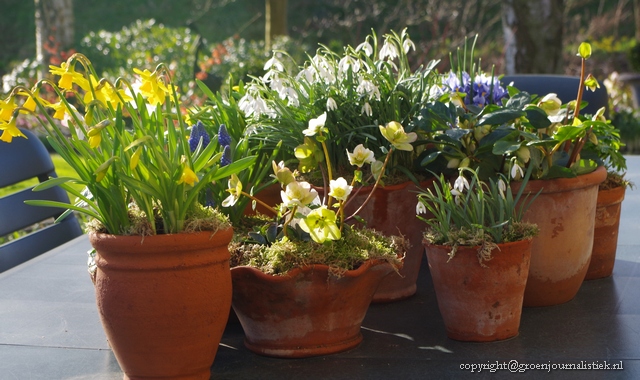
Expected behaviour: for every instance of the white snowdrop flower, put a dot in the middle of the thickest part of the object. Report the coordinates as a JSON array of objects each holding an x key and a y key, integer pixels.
[
  {"x": 273, "y": 63},
  {"x": 388, "y": 51},
  {"x": 366, "y": 109},
  {"x": 366, "y": 47},
  {"x": 407, "y": 45},
  {"x": 331, "y": 104},
  {"x": 502, "y": 187},
  {"x": 461, "y": 184},
  {"x": 421, "y": 208},
  {"x": 516, "y": 170}
]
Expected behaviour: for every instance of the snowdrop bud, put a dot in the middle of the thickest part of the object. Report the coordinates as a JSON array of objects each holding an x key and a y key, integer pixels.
[{"x": 421, "y": 208}]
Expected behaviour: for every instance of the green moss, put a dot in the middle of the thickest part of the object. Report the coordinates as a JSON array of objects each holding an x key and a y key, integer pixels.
[{"x": 355, "y": 247}]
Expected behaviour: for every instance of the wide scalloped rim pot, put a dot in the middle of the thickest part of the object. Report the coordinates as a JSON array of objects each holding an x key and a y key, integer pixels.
[
  {"x": 164, "y": 300},
  {"x": 306, "y": 312}
]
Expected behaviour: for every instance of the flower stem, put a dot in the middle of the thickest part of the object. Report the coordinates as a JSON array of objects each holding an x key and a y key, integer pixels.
[
  {"x": 375, "y": 185},
  {"x": 273, "y": 210}
]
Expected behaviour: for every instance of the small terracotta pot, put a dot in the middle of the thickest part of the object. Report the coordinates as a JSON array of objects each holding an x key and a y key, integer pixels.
[
  {"x": 306, "y": 312},
  {"x": 605, "y": 235},
  {"x": 565, "y": 214},
  {"x": 164, "y": 301},
  {"x": 269, "y": 195},
  {"x": 480, "y": 304},
  {"x": 392, "y": 211}
]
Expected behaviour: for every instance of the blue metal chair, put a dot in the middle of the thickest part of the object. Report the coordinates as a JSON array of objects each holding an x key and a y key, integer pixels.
[
  {"x": 566, "y": 87},
  {"x": 21, "y": 160}
]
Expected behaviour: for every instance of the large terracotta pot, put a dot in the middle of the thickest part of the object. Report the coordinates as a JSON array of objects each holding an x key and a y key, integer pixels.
[
  {"x": 605, "y": 235},
  {"x": 565, "y": 214},
  {"x": 306, "y": 312},
  {"x": 480, "y": 304},
  {"x": 392, "y": 211},
  {"x": 164, "y": 301}
]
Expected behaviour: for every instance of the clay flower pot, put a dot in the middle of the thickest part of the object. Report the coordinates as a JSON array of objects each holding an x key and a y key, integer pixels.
[
  {"x": 306, "y": 312},
  {"x": 480, "y": 304},
  {"x": 565, "y": 214},
  {"x": 164, "y": 301},
  {"x": 392, "y": 211},
  {"x": 605, "y": 235}
]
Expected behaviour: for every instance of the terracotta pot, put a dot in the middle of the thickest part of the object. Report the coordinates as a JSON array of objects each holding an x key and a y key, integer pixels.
[
  {"x": 565, "y": 213},
  {"x": 307, "y": 312},
  {"x": 392, "y": 211},
  {"x": 269, "y": 195},
  {"x": 164, "y": 301},
  {"x": 480, "y": 304},
  {"x": 605, "y": 235}
]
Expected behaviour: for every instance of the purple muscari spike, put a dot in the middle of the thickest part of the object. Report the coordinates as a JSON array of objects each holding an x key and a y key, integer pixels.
[
  {"x": 223, "y": 136},
  {"x": 226, "y": 156},
  {"x": 198, "y": 132}
]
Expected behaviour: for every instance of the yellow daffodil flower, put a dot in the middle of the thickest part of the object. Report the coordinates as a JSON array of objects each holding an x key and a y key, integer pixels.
[
  {"x": 152, "y": 88},
  {"x": 6, "y": 108},
  {"x": 188, "y": 176},
  {"x": 10, "y": 130},
  {"x": 69, "y": 76},
  {"x": 60, "y": 109}
]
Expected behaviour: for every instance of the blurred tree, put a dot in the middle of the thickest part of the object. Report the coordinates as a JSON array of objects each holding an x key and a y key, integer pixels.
[
  {"x": 275, "y": 20},
  {"x": 54, "y": 31},
  {"x": 533, "y": 31}
]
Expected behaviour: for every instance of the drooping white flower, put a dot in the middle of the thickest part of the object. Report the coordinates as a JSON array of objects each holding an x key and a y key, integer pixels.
[
  {"x": 366, "y": 109},
  {"x": 407, "y": 45},
  {"x": 273, "y": 63},
  {"x": 315, "y": 125},
  {"x": 421, "y": 208},
  {"x": 348, "y": 62},
  {"x": 331, "y": 104},
  {"x": 361, "y": 156},
  {"x": 516, "y": 171},
  {"x": 461, "y": 184},
  {"x": 340, "y": 189},
  {"x": 551, "y": 104},
  {"x": 366, "y": 47},
  {"x": 502, "y": 187},
  {"x": 368, "y": 88},
  {"x": 388, "y": 51}
]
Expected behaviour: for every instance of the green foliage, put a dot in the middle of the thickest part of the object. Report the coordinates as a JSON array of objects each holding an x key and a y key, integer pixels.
[
  {"x": 143, "y": 45},
  {"x": 633, "y": 55}
]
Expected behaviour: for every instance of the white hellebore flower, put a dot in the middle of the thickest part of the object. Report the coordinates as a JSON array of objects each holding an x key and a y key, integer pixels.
[
  {"x": 340, "y": 189},
  {"x": 315, "y": 125},
  {"x": 361, "y": 156},
  {"x": 331, "y": 104},
  {"x": 551, "y": 104},
  {"x": 366, "y": 109},
  {"x": 298, "y": 194},
  {"x": 421, "y": 208}
]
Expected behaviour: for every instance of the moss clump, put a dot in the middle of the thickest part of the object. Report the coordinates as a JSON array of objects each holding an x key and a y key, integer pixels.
[
  {"x": 614, "y": 180},
  {"x": 354, "y": 248},
  {"x": 478, "y": 238},
  {"x": 200, "y": 218}
]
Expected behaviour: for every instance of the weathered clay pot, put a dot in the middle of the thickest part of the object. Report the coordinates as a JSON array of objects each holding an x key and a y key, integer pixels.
[
  {"x": 307, "y": 312},
  {"x": 605, "y": 235},
  {"x": 392, "y": 211},
  {"x": 565, "y": 214},
  {"x": 480, "y": 304},
  {"x": 164, "y": 301}
]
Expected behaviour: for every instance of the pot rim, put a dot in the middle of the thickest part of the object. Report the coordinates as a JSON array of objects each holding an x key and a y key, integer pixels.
[
  {"x": 292, "y": 273},
  {"x": 198, "y": 238},
  {"x": 557, "y": 185}
]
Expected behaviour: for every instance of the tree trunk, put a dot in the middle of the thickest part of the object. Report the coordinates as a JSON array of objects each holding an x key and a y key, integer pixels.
[
  {"x": 276, "y": 20},
  {"x": 636, "y": 13},
  {"x": 533, "y": 36},
  {"x": 54, "y": 31}
]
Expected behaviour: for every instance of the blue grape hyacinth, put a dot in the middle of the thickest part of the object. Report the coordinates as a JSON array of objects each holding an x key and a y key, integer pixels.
[
  {"x": 197, "y": 133},
  {"x": 223, "y": 136}
]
